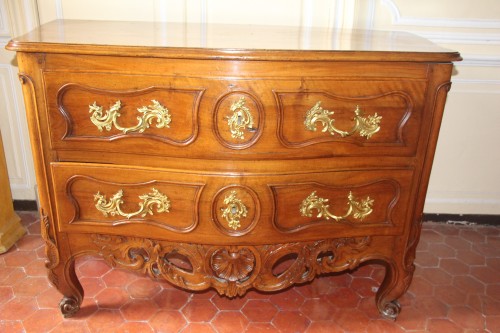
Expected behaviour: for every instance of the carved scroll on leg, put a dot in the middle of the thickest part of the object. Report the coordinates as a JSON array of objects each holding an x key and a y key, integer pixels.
[
  {"x": 396, "y": 282},
  {"x": 61, "y": 272},
  {"x": 64, "y": 278},
  {"x": 70, "y": 287}
]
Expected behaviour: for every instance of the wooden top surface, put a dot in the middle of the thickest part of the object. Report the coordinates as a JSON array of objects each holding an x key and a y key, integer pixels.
[{"x": 158, "y": 39}]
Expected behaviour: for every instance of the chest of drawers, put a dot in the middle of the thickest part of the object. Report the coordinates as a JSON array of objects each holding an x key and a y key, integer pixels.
[{"x": 231, "y": 157}]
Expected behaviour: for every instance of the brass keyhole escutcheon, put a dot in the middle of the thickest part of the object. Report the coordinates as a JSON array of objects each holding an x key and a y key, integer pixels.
[
  {"x": 240, "y": 120},
  {"x": 234, "y": 211}
]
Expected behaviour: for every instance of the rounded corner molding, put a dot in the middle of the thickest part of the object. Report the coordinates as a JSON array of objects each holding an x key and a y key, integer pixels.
[{"x": 238, "y": 120}]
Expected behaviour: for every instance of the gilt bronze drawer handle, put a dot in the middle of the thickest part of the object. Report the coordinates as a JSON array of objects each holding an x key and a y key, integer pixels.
[
  {"x": 240, "y": 120},
  {"x": 366, "y": 126},
  {"x": 358, "y": 209},
  {"x": 234, "y": 210},
  {"x": 146, "y": 117},
  {"x": 155, "y": 198}
]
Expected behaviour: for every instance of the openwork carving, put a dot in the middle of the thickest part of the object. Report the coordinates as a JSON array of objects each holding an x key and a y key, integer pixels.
[
  {"x": 147, "y": 114},
  {"x": 358, "y": 209},
  {"x": 240, "y": 120},
  {"x": 234, "y": 210},
  {"x": 365, "y": 126},
  {"x": 232, "y": 270},
  {"x": 155, "y": 198}
]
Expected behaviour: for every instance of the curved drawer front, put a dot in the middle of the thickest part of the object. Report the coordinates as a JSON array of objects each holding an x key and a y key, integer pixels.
[
  {"x": 351, "y": 117},
  {"x": 254, "y": 207},
  {"x": 230, "y": 118},
  {"x": 342, "y": 200},
  {"x": 97, "y": 108},
  {"x": 91, "y": 197}
]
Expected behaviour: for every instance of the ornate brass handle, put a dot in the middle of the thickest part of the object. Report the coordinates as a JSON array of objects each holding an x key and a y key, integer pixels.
[
  {"x": 366, "y": 126},
  {"x": 145, "y": 207},
  {"x": 147, "y": 115},
  {"x": 358, "y": 209},
  {"x": 234, "y": 210},
  {"x": 240, "y": 120}
]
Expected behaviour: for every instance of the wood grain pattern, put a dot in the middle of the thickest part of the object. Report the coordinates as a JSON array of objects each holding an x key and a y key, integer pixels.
[
  {"x": 227, "y": 41},
  {"x": 235, "y": 201},
  {"x": 74, "y": 98},
  {"x": 399, "y": 123}
]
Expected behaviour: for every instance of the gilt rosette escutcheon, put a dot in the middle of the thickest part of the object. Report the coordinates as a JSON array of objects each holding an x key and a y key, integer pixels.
[
  {"x": 358, "y": 209},
  {"x": 147, "y": 114},
  {"x": 365, "y": 126},
  {"x": 150, "y": 201}
]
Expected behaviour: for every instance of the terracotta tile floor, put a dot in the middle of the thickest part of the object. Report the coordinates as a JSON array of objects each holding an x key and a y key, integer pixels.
[{"x": 456, "y": 288}]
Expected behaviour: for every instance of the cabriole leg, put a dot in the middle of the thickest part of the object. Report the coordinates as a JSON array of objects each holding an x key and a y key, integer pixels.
[
  {"x": 64, "y": 278},
  {"x": 61, "y": 271},
  {"x": 396, "y": 282}
]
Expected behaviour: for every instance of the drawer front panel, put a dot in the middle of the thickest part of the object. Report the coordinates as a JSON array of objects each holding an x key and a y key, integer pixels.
[
  {"x": 93, "y": 108},
  {"x": 228, "y": 118},
  {"x": 307, "y": 205},
  {"x": 107, "y": 197},
  {"x": 333, "y": 204},
  {"x": 351, "y": 117},
  {"x": 257, "y": 208}
]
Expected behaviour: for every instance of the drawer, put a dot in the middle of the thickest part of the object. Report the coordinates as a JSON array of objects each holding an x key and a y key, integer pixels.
[
  {"x": 229, "y": 118},
  {"x": 206, "y": 208},
  {"x": 346, "y": 203},
  {"x": 338, "y": 204},
  {"x": 351, "y": 117},
  {"x": 89, "y": 109},
  {"x": 93, "y": 198}
]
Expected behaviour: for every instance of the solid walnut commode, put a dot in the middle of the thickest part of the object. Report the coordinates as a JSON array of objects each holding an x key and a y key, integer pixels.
[{"x": 231, "y": 157}]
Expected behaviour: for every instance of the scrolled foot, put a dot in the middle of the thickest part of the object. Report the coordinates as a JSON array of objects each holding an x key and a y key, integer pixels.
[
  {"x": 390, "y": 310},
  {"x": 69, "y": 306}
]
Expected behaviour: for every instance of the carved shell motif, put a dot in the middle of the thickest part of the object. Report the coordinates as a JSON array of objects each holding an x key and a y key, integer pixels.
[{"x": 233, "y": 264}]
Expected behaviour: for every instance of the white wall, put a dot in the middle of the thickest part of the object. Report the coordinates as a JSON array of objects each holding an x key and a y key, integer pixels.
[
  {"x": 13, "y": 124},
  {"x": 466, "y": 172}
]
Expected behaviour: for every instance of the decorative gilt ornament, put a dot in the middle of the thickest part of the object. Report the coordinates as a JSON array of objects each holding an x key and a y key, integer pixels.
[
  {"x": 365, "y": 126},
  {"x": 358, "y": 209},
  {"x": 234, "y": 210},
  {"x": 240, "y": 120},
  {"x": 112, "y": 207},
  {"x": 146, "y": 117}
]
